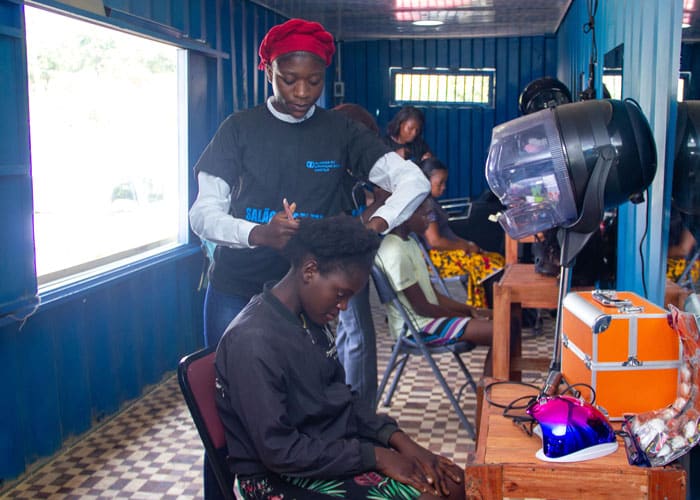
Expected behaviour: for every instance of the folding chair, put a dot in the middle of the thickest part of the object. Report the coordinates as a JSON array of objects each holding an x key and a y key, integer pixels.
[
  {"x": 438, "y": 281},
  {"x": 197, "y": 379},
  {"x": 410, "y": 342}
]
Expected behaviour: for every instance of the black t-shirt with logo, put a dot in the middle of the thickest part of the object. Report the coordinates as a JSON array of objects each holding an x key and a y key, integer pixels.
[{"x": 264, "y": 160}]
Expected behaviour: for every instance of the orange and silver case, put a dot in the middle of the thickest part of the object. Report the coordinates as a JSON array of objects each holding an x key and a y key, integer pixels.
[{"x": 622, "y": 345}]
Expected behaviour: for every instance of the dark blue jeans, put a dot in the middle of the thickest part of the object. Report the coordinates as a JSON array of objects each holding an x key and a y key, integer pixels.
[
  {"x": 357, "y": 347},
  {"x": 219, "y": 310}
]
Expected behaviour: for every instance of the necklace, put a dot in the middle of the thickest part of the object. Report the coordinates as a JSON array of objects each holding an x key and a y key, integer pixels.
[{"x": 332, "y": 351}]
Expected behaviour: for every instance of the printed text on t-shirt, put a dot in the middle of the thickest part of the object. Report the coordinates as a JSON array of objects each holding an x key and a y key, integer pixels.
[{"x": 322, "y": 166}]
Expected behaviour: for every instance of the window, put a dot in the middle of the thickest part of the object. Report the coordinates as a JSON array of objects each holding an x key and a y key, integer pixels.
[
  {"x": 108, "y": 142},
  {"x": 612, "y": 81},
  {"x": 460, "y": 87},
  {"x": 683, "y": 84}
]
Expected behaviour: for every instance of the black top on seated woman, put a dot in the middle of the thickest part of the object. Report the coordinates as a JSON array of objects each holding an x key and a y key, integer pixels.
[{"x": 292, "y": 424}]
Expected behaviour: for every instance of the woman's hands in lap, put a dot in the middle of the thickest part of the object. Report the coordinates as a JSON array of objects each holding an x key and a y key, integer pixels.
[{"x": 405, "y": 469}]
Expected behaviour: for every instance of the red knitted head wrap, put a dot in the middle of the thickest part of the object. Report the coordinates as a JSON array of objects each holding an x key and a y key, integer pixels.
[{"x": 295, "y": 35}]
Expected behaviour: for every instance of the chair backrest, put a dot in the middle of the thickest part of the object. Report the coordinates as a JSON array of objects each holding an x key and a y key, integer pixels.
[
  {"x": 457, "y": 208},
  {"x": 197, "y": 378},
  {"x": 385, "y": 292},
  {"x": 434, "y": 272},
  {"x": 387, "y": 295}
]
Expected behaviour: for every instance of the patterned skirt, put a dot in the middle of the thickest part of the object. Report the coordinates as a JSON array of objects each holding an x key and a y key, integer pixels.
[
  {"x": 445, "y": 331},
  {"x": 370, "y": 485},
  {"x": 475, "y": 267},
  {"x": 675, "y": 267}
]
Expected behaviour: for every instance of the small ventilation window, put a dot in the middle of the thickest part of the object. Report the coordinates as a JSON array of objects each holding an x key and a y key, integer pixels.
[{"x": 451, "y": 87}]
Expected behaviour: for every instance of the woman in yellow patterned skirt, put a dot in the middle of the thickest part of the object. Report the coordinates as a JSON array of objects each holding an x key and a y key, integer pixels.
[
  {"x": 452, "y": 255},
  {"x": 680, "y": 248}
]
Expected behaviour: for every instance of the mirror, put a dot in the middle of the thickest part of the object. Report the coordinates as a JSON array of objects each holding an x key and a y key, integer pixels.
[
  {"x": 612, "y": 73},
  {"x": 682, "y": 264},
  {"x": 684, "y": 230}
]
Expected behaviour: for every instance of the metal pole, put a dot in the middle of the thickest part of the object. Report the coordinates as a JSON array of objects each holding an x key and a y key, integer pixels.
[{"x": 554, "y": 376}]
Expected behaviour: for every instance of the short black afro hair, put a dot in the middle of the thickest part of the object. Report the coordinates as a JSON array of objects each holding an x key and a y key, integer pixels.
[{"x": 339, "y": 242}]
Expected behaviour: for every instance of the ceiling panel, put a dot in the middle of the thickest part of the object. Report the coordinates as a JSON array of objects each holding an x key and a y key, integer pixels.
[{"x": 381, "y": 19}]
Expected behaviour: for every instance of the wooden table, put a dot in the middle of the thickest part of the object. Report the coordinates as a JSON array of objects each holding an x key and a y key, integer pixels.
[
  {"x": 505, "y": 465},
  {"x": 520, "y": 286}
]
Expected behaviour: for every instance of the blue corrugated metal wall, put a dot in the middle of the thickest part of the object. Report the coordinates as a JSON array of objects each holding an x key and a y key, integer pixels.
[
  {"x": 650, "y": 31},
  {"x": 86, "y": 351},
  {"x": 458, "y": 136},
  {"x": 16, "y": 260},
  {"x": 89, "y": 349}
]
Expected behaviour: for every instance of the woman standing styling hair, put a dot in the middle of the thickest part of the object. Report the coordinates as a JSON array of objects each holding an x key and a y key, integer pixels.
[{"x": 285, "y": 149}]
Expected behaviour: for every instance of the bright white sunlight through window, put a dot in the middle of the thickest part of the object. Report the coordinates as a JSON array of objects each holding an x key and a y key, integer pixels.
[
  {"x": 453, "y": 87},
  {"x": 614, "y": 85},
  {"x": 106, "y": 113}
]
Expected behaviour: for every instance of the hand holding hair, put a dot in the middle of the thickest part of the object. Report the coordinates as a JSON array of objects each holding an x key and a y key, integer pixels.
[
  {"x": 289, "y": 209},
  {"x": 275, "y": 233},
  {"x": 377, "y": 224}
]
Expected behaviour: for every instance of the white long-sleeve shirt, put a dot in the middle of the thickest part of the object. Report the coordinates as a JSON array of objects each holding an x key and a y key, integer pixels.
[{"x": 210, "y": 218}]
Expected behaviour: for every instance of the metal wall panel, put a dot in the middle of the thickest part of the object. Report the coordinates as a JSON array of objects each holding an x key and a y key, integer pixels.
[
  {"x": 651, "y": 33},
  {"x": 18, "y": 282},
  {"x": 87, "y": 351},
  {"x": 77, "y": 361},
  {"x": 458, "y": 136}
]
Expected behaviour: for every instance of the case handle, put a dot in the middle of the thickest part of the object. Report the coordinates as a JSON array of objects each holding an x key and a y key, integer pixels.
[{"x": 608, "y": 298}]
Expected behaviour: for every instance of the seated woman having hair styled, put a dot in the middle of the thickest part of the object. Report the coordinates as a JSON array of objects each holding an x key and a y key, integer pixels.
[
  {"x": 293, "y": 427},
  {"x": 452, "y": 255}
]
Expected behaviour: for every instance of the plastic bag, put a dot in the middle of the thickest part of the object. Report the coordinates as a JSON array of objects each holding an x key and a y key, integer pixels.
[{"x": 658, "y": 437}]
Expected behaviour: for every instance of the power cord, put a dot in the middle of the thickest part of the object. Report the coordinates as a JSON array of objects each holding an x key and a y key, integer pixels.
[
  {"x": 641, "y": 243},
  {"x": 22, "y": 319},
  {"x": 589, "y": 27},
  {"x": 515, "y": 410},
  {"x": 510, "y": 405}
]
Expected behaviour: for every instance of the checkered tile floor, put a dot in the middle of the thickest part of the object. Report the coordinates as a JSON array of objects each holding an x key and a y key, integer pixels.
[{"x": 152, "y": 450}]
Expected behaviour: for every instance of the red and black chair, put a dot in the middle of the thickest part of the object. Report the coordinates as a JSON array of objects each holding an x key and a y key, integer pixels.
[{"x": 197, "y": 379}]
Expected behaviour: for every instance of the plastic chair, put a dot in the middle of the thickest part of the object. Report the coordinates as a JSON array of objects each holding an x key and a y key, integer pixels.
[
  {"x": 410, "y": 342},
  {"x": 197, "y": 379}
]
